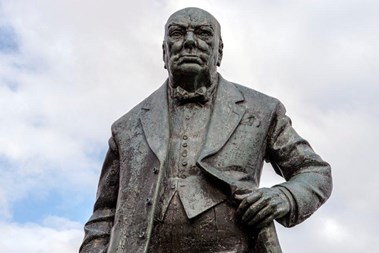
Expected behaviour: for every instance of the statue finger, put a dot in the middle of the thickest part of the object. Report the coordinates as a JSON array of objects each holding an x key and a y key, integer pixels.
[
  {"x": 241, "y": 197},
  {"x": 281, "y": 211},
  {"x": 246, "y": 203},
  {"x": 263, "y": 215},
  {"x": 266, "y": 221},
  {"x": 253, "y": 210}
]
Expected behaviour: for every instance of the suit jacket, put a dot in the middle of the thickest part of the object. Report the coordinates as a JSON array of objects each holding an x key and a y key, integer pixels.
[{"x": 246, "y": 128}]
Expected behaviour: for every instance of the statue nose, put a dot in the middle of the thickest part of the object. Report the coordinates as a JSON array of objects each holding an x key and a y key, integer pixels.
[{"x": 189, "y": 40}]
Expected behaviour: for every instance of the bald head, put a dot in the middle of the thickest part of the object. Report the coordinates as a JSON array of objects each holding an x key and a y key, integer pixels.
[{"x": 195, "y": 15}]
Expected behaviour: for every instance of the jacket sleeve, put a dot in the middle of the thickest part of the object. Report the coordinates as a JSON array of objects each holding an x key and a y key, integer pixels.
[
  {"x": 308, "y": 178},
  {"x": 98, "y": 228}
]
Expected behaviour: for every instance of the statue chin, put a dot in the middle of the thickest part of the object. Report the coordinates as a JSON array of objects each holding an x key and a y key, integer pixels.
[{"x": 190, "y": 76}]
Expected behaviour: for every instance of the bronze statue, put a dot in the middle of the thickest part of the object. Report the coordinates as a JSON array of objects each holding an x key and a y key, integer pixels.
[{"x": 183, "y": 167}]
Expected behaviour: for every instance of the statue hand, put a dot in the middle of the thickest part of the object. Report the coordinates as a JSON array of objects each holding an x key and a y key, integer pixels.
[{"x": 261, "y": 207}]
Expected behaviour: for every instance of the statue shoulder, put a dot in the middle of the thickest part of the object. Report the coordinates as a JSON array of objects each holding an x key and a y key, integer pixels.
[
  {"x": 131, "y": 119},
  {"x": 257, "y": 99},
  {"x": 128, "y": 119}
]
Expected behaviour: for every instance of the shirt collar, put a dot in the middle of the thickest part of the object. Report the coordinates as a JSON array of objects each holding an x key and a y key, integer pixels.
[{"x": 202, "y": 95}]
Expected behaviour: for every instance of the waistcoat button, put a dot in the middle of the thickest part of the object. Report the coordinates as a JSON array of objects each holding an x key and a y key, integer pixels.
[{"x": 155, "y": 170}]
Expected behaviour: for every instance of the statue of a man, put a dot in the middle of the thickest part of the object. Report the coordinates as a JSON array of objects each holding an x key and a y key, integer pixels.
[{"x": 183, "y": 167}]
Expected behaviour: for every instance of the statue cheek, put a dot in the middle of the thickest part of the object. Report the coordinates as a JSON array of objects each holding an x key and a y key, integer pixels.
[
  {"x": 203, "y": 46},
  {"x": 175, "y": 47}
]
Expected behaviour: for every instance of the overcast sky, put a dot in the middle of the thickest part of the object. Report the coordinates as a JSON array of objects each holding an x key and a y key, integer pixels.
[{"x": 69, "y": 68}]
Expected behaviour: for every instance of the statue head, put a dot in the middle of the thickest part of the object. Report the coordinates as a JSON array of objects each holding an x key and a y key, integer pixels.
[{"x": 192, "y": 46}]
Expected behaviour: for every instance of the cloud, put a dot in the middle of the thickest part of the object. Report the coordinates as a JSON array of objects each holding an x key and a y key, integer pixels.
[
  {"x": 326, "y": 234},
  {"x": 58, "y": 235}
]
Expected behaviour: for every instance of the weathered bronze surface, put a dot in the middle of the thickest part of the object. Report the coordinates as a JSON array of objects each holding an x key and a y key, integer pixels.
[{"x": 183, "y": 167}]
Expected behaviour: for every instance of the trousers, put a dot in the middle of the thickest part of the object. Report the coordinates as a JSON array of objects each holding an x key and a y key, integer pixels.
[{"x": 212, "y": 231}]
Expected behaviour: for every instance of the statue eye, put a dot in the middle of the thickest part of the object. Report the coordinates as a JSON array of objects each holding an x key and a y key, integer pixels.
[
  {"x": 204, "y": 33},
  {"x": 176, "y": 33}
]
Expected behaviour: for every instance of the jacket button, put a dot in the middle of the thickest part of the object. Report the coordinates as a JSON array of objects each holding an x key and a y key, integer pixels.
[
  {"x": 155, "y": 170},
  {"x": 148, "y": 201},
  {"x": 257, "y": 123},
  {"x": 141, "y": 235},
  {"x": 185, "y": 137},
  {"x": 184, "y": 163}
]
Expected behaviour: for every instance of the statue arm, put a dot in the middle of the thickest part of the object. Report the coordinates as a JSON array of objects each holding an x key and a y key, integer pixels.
[
  {"x": 98, "y": 228},
  {"x": 308, "y": 178}
]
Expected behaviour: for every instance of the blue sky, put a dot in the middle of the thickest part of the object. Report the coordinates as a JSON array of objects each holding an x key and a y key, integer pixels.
[
  {"x": 69, "y": 69},
  {"x": 8, "y": 40}
]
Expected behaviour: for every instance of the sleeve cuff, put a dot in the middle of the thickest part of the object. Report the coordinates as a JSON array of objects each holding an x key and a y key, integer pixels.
[{"x": 289, "y": 220}]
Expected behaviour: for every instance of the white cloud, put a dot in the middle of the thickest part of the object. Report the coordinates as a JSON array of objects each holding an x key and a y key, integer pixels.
[
  {"x": 323, "y": 233},
  {"x": 63, "y": 236}
]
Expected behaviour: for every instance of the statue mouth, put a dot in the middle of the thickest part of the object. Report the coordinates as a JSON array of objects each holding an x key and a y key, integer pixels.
[{"x": 190, "y": 59}]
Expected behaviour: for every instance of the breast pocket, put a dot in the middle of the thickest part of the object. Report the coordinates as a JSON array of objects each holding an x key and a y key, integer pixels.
[{"x": 246, "y": 143}]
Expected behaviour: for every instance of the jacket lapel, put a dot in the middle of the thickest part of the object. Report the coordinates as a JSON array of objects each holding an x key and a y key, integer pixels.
[
  {"x": 227, "y": 114},
  {"x": 155, "y": 124}
]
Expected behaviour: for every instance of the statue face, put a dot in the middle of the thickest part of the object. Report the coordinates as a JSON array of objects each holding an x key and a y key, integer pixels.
[{"x": 192, "y": 43}]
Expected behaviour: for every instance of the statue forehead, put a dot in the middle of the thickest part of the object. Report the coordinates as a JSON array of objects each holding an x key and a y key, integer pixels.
[{"x": 192, "y": 15}]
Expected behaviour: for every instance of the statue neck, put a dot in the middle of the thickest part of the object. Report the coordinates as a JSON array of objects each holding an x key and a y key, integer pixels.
[
  {"x": 196, "y": 91},
  {"x": 192, "y": 83}
]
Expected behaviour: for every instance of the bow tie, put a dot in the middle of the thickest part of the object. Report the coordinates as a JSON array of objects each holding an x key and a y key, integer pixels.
[{"x": 200, "y": 95}]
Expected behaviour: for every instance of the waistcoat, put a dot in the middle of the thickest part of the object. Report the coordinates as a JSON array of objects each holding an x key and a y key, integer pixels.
[{"x": 182, "y": 223}]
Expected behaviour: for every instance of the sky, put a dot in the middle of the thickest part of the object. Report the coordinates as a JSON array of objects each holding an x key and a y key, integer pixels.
[{"x": 69, "y": 69}]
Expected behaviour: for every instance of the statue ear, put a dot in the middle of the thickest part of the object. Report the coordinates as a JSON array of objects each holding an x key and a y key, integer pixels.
[
  {"x": 164, "y": 55},
  {"x": 220, "y": 51}
]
